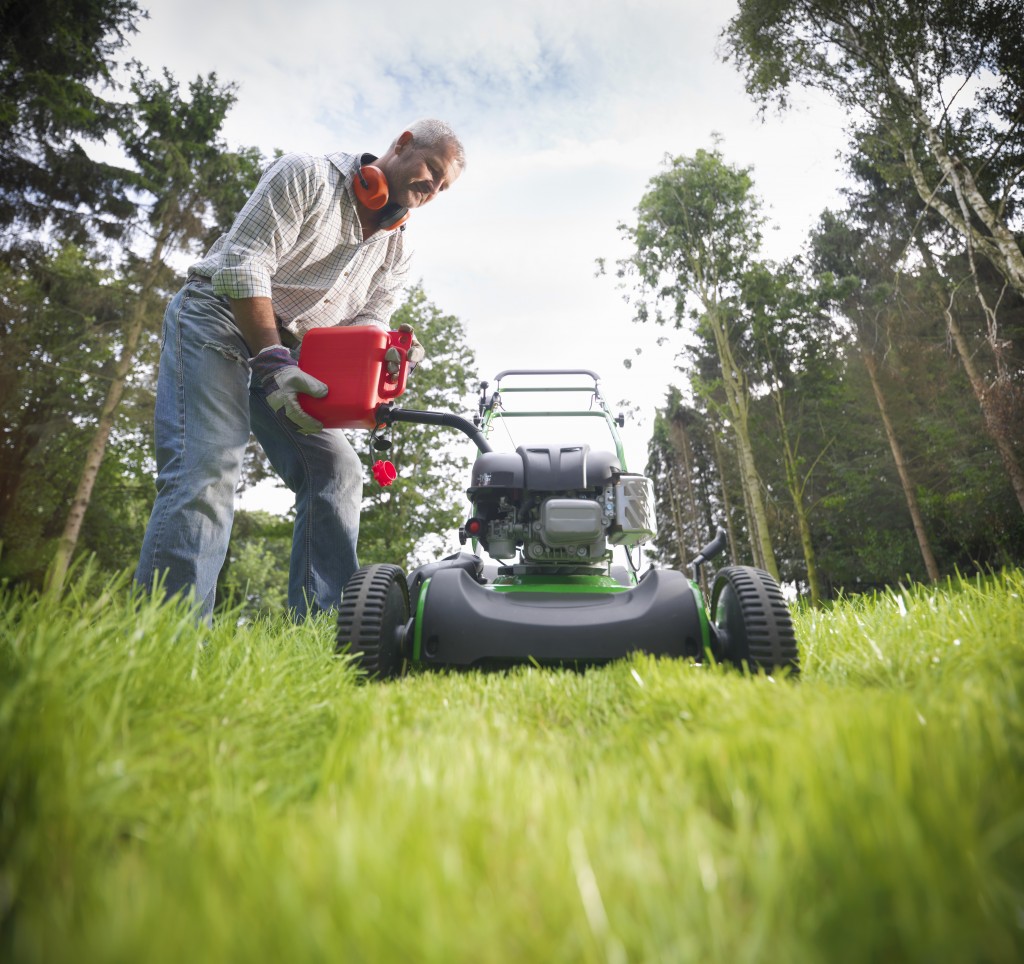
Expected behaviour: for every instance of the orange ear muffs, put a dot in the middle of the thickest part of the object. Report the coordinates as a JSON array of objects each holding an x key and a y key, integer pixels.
[{"x": 371, "y": 186}]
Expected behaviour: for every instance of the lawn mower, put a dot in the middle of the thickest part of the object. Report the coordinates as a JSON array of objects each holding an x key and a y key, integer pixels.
[{"x": 550, "y": 515}]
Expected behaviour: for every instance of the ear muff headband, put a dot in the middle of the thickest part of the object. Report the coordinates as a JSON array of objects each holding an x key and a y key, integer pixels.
[{"x": 395, "y": 218}]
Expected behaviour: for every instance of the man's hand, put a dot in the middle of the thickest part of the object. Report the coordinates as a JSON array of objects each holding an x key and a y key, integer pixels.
[
  {"x": 416, "y": 352},
  {"x": 275, "y": 371}
]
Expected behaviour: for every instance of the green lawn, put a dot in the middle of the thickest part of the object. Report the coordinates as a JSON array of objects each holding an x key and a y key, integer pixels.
[{"x": 225, "y": 794}]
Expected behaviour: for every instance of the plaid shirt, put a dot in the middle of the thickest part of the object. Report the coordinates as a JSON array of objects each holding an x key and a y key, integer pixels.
[{"x": 298, "y": 241}]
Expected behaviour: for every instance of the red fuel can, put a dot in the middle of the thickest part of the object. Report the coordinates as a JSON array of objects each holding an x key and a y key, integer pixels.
[{"x": 352, "y": 362}]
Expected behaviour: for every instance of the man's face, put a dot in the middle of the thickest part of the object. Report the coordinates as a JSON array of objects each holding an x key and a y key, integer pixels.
[{"x": 417, "y": 175}]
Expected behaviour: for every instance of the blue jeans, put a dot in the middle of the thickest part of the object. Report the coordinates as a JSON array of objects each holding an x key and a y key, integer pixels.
[{"x": 205, "y": 408}]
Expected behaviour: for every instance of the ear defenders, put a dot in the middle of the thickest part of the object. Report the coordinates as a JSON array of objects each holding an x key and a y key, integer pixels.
[{"x": 371, "y": 188}]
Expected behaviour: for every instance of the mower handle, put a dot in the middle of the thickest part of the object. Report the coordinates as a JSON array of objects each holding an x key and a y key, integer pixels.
[
  {"x": 547, "y": 371},
  {"x": 712, "y": 549}
]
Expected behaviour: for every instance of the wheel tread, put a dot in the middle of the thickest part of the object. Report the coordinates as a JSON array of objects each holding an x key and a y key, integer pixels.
[
  {"x": 770, "y": 636},
  {"x": 362, "y": 611}
]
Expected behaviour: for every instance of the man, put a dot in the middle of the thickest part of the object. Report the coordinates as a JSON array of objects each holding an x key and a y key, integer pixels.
[{"x": 320, "y": 242}]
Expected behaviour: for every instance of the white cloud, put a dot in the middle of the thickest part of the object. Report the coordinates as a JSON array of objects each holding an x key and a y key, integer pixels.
[{"x": 567, "y": 110}]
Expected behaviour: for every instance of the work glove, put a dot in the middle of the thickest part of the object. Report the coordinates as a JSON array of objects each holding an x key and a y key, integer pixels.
[
  {"x": 416, "y": 352},
  {"x": 275, "y": 371}
]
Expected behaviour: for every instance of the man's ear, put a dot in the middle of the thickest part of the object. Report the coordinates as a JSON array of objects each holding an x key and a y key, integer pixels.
[{"x": 404, "y": 138}]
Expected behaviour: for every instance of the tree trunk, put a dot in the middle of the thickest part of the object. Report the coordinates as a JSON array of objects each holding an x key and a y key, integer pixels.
[
  {"x": 98, "y": 445},
  {"x": 736, "y": 396},
  {"x": 993, "y": 424},
  {"x": 677, "y": 518},
  {"x": 726, "y": 501},
  {"x": 796, "y": 492},
  {"x": 901, "y": 467},
  {"x": 997, "y": 432},
  {"x": 681, "y": 443},
  {"x": 1000, "y": 246},
  {"x": 996, "y": 253}
]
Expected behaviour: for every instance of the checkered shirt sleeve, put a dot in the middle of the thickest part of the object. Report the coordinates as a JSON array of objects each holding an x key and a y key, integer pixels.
[{"x": 298, "y": 241}]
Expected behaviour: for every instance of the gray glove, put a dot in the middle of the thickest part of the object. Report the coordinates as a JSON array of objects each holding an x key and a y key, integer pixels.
[
  {"x": 416, "y": 352},
  {"x": 275, "y": 371}
]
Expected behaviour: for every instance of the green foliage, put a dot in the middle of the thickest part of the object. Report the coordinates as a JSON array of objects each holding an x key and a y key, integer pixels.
[
  {"x": 893, "y": 313},
  {"x": 689, "y": 501},
  {"x": 798, "y": 341},
  {"x": 55, "y": 58},
  {"x": 60, "y": 320},
  {"x": 933, "y": 90},
  {"x": 171, "y": 792},
  {"x": 698, "y": 230},
  {"x": 414, "y": 519},
  {"x": 860, "y": 51},
  {"x": 254, "y": 579},
  {"x": 191, "y": 185},
  {"x": 80, "y": 328},
  {"x": 698, "y": 226}
]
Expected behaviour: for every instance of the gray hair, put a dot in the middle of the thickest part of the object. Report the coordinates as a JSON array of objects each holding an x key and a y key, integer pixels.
[{"x": 430, "y": 132}]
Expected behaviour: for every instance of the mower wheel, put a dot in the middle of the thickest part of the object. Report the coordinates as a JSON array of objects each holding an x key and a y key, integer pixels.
[
  {"x": 751, "y": 621},
  {"x": 372, "y": 619}
]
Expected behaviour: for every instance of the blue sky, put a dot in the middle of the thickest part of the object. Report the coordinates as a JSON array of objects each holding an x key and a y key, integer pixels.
[{"x": 566, "y": 110}]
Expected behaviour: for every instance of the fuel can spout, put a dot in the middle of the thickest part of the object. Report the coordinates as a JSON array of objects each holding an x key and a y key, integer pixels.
[{"x": 387, "y": 414}]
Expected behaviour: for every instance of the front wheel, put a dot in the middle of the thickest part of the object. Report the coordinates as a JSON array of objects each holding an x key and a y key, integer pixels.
[
  {"x": 371, "y": 620},
  {"x": 751, "y": 621}
]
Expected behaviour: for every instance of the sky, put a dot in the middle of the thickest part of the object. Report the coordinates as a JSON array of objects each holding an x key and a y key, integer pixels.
[{"x": 566, "y": 110}]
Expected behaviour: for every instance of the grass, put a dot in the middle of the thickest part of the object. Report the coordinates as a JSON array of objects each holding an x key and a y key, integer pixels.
[{"x": 226, "y": 794}]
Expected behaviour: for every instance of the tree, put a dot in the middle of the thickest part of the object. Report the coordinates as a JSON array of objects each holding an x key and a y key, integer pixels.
[
  {"x": 792, "y": 355},
  {"x": 55, "y": 55},
  {"x": 909, "y": 69},
  {"x": 176, "y": 182},
  {"x": 998, "y": 395},
  {"x": 935, "y": 90},
  {"x": 844, "y": 253},
  {"x": 58, "y": 315},
  {"x": 257, "y": 555},
  {"x": 898, "y": 349},
  {"x": 406, "y": 523},
  {"x": 698, "y": 229},
  {"x": 681, "y": 464},
  {"x": 191, "y": 181}
]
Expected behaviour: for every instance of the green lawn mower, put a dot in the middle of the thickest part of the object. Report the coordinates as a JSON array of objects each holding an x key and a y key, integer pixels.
[{"x": 550, "y": 514}]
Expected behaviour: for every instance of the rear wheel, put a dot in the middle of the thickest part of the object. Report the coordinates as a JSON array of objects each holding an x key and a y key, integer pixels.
[
  {"x": 751, "y": 621},
  {"x": 372, "y": 618}
]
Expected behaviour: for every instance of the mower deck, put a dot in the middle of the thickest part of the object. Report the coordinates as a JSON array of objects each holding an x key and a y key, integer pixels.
[{"x": 554, "y": 619}]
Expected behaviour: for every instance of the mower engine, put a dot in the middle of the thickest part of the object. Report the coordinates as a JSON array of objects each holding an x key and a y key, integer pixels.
[{"x": 560, "y": 505}]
